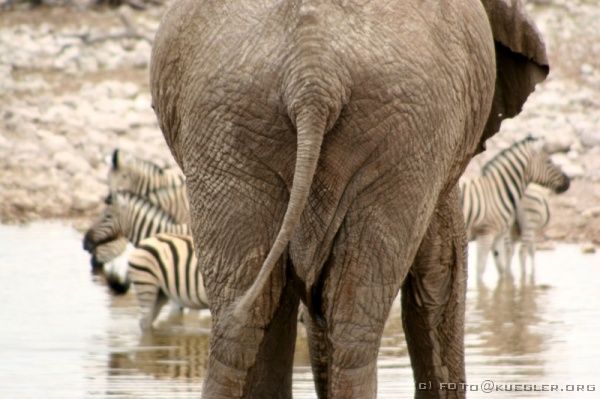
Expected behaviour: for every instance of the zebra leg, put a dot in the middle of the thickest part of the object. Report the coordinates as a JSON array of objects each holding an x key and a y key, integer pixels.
[
  {"x": 532, "y": 256},
  {"x": 502, "y": 251},
  {"x": 484, "y": 245},
  {"x": 433, "y": 305},
  {"x": 176, "y": 311},
  {"x": 151, "y": 302},
  {"x": 498, "y": 252},
  {"x": 523, "y": 258}
]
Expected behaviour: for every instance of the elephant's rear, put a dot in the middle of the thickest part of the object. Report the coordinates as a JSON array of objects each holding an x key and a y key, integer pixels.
[{"x": 303, "y": 127}]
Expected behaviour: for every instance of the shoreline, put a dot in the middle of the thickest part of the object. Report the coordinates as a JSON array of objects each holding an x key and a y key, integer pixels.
[{"x": 76, "y": 85}]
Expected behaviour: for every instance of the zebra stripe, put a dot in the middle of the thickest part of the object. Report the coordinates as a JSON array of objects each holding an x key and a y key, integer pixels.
[
  {"x": 165, "y": 266},
  {"x": 141, "y": 177},
  {"x": 490, "y": 201},
  {"x": 134, "y": 217},
  {"x": 108, "y": 251},
  {"x": 173, "y": 200}
]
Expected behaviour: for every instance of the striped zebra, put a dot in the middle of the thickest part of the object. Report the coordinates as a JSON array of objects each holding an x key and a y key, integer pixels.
[
  {"x": 130, "y": 216},
  {"x": 126, "y": 216},
  {"x": 161, "y": 186},
  {"x": 162, "y": 268},
  {"x": 533, "y": 215},
  {"x": 129, "y": 173},
  {"x": 490, "y": 201},
  {"x": 114, "y": 268},
  {"x": 173, "y": 200},
  {"x": 106, "y": 252}
]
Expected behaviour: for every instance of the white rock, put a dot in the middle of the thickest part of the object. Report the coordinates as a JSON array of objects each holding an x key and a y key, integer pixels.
[
  {"x": 52, "y": 142},
  {"x": 569, "y": 167},
  {"x": 591, "y": 212},
  {"x": 587, "y": 69},
  {"x": 591, "y": 138},
  {"x": 70, "y": 162},
  {"x": 558, "y": 144}
]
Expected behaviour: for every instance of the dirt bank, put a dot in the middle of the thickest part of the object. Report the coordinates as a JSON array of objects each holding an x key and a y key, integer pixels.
[{"x": 73, "y": 86}]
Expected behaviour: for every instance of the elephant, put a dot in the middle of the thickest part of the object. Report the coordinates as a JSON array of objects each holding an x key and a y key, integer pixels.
[{"x": 322, "y": 142}]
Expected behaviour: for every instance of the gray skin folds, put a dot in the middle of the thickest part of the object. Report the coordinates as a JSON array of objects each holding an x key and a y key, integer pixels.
[{"x": 321, "y": 143}]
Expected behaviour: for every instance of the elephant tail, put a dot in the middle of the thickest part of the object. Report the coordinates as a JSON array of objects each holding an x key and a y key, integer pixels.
[{"x": 311, "y": 126}]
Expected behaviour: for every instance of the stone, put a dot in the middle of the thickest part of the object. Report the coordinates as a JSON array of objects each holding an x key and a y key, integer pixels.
[
  {"x": 591, "y": 138},
  {"x": 588, "y": 248},
  {"x": 569, "y": 167},
  {"x": 70, "y": 162},
  {"x": 559, "y": 144},
  {"x": 591, "y": 212}
]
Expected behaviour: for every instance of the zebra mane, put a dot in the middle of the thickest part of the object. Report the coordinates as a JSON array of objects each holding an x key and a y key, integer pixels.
[
  {"x": 135, "y": 162},
  {"x": 489, "y": 165}
]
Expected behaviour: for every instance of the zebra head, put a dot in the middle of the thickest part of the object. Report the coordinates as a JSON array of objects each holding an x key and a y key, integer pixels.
[
  {"x": 127, "y": 172},
  {"x": 107, "y": 252},
  {"x": 543, "y": 171},
  {"x": 130, "y": 173},
  {"x": 108, "y": 227}
]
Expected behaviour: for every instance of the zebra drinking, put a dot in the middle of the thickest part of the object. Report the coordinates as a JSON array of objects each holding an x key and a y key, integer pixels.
[
  {"x": 125, "y": 216},
  {"x": 490, "y": 201},
  {"x": 128, "y": 215}
]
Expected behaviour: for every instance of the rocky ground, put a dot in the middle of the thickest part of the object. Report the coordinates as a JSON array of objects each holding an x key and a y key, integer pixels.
[{"x": 73, "y": 86}]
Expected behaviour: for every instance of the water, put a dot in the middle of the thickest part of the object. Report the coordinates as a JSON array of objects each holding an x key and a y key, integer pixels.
[{"x": 62, "y": 335}]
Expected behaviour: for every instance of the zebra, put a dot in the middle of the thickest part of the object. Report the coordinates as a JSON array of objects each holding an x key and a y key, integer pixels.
[
  {"x": 114, "y": 268},
  {"x": 164, "y": 187},
  {"x": 173, "y": 200},
  {"x": 490, "y": 201},
  {"x": 129, "y": 173},
  {"x": 126, "y": 216},
  {"x": 533, "y": 215},
  {"x": 162, "y": 268},
  {"x": 106, "y": 252},
  {"x": 130, "y": 216}
]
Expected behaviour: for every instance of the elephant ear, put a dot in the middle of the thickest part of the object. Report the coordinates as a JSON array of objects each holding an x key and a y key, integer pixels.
[{"x": 521, "y": 61}]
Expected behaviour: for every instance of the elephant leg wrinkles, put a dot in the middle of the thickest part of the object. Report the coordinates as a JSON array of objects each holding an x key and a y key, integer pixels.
[
  {"x": 366, "y": 268},
  {"x": 433, "y": 303},
  {"x": 255, "y": 361}
]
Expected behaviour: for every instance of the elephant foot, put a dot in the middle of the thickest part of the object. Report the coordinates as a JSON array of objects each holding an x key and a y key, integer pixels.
[
  {"x": 223, "y": 382},
  {"x": 354, "y": 383},
  {"x": 249, "y": 362},
  {"x": 433, "y": 304}
]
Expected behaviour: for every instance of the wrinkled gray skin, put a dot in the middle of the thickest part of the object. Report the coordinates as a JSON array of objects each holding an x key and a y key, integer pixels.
[{"x": 322, "y": 142}]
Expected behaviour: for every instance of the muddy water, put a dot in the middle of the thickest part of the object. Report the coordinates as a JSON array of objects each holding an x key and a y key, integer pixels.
[{"x": 62, "y": 335}]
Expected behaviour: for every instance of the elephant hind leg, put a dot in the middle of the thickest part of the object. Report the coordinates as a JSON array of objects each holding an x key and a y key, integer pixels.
[
  {"x": 271, "y": 375},
  {"x": 255, "y": 360},
  {"x": 365, "y": 271},
  {"x": 433, "y": 304}
]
